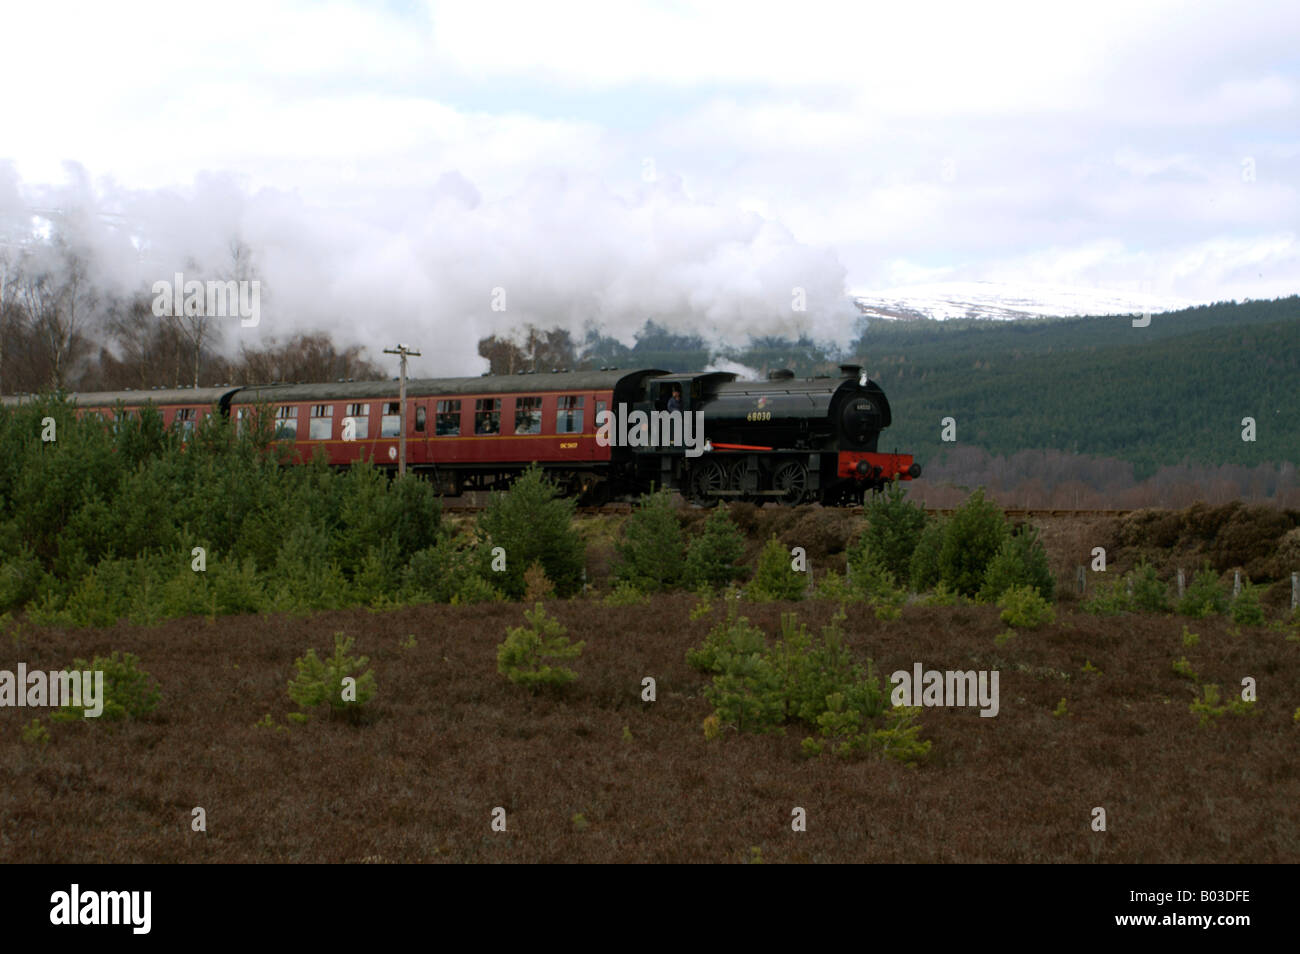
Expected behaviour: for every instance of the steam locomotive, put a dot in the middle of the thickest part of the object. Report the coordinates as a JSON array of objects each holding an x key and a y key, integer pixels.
[{"x": 602, "y": 435}]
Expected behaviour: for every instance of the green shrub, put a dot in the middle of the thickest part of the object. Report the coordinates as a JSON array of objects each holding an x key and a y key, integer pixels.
[
  {"x": 835, "y": 588},
  {"x": 925, "y": 570},
  {"x": 971, "y": 539},
  {"x": 899, "y": 738},
  {"x": 97, "y": 598},
  {"x": 188, "y": 593},
  {"x": 449, "y": 571},
  {"x": 1023, "y": 608},
  {"x": 1209, "y": 709},
  {"x": 1205, "y": 596},
  {"x": 776, "y": 579},
  {"x": 1150, "y": 594},
  {"x": 799, "y": 679},
  {"x": 1019, "y": 561},
  {"x": 21, "y": 577},
  {"x": 734, "y": 636},
  {"x": 748, "y": 695},
  {"x": 942, "y": 596},
  {"x": 812, "y": 669},
  {"x": 842, "y": 733},
  {"x": 338, "y": 681},
  {"x": 1246, "y": 610},
  {"x": 378, "y": 577},
  {"x": 840, "y": 730},
  {"x": 520, "y": 657},
  {"x": 874, "y": 583},
  {"x": 1110, "y": 599},
  {"x": 305, "y": 578},
  {"x": 532, "y": 522},
  {"x": 894, "y": 528},
  {"x": 474, "y": 589},
  {"x": 625, "y": 594},
  {"x": 713, "y": 555},
  {"x": 35, "y": 733},
  {"x": 47, "y": 610},
  {"x": 266, "y": 722},
  {"x": 650, "y": 553},
  {"x": 412, "y": 514},
  {"x": 129, "y": 691}
]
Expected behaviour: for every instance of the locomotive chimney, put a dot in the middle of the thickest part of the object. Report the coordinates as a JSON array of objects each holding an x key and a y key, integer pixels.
[{"x": 850, "y": 370}]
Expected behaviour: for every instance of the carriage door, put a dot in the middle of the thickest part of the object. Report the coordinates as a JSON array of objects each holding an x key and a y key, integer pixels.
[{"x": 417, "y": 440}]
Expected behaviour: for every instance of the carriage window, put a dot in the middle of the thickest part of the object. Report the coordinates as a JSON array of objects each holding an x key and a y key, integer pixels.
[
  {"x": 321, "y": 426},
  {"x": 390, "y": 425},
  {"x": 487, "y": 416},
  {"x": 419, "y": 419},
  {"x": 528, "y": 415},
  {"x": 447, "y": 421},
  {"x": 359, "y": 415},
  {"x": 286, "y": 423},
  {"x": 184, "y": 420},
  {"x": 568, "y": 415}
]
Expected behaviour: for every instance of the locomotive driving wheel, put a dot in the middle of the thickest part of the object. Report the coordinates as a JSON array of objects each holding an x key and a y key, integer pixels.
[
  {"x": 791, "y": 478},
  {"x": 706, "y": 481},
  {"x": 736, "y": 476}
]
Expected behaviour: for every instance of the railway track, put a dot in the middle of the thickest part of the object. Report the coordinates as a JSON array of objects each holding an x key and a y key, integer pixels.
[{"x": 458, "y": 505}]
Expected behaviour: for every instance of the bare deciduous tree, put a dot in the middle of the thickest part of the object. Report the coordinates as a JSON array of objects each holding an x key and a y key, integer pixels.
[{"x": 59, "y": 301}]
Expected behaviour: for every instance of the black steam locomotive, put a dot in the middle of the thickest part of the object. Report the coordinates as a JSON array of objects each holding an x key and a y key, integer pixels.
[{"x": 793, "y": 440}]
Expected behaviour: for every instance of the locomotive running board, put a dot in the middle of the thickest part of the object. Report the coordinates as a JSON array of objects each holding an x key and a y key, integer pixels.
[{"x": 741, "y": 447}]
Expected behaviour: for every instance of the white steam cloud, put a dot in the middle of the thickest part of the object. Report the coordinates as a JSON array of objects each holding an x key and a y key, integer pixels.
[{"x": 427, "y": 267}]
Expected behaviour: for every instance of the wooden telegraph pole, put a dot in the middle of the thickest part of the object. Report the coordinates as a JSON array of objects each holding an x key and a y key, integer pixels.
[{"x": 404, "y": 351}]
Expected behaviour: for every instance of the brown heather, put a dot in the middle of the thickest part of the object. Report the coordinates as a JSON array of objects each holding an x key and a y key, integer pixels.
[{"x": 450, "y": 739}]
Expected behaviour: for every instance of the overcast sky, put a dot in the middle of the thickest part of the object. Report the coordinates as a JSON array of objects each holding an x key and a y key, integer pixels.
[{"x": 393, "y": 163}]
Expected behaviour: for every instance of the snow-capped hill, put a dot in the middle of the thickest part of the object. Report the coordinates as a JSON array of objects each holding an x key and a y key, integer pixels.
[{"x": 1002, "y": 302}]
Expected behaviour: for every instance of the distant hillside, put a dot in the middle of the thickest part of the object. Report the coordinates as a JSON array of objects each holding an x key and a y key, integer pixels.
[
  {"x": 1003, "y": 301},
  {"x": 1170, "y": 392},
  {"x": 1174, "y": 391}
]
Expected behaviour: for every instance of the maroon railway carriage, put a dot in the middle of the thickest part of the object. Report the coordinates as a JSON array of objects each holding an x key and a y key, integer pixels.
[
  {"x": 785, "y": 439},
  {"x": 464, "y": 433},
  {"x": 181, "y": 408}
]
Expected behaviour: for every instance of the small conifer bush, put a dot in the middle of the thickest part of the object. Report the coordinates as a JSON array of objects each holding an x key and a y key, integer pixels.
[
  {"x": 713, "y": 555},
  {"x": 1205, "y": 596},
  {"x": 523, "y": 656},
  {"x": 1023, "y": 608},
  {"x": 971, "y": 539},
  {"x": 1246, "y": 610},
  {"x": 340, "y": 681},
  {"x": 650, "y": 553},
  {"x": 776, "y": 578},
  {"x": 1021, "y": 560},
  {"x": 129, "y": 691}
]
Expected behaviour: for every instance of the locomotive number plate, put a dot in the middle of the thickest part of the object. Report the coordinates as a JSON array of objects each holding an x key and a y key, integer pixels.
[{"x": 759, "y": 416}]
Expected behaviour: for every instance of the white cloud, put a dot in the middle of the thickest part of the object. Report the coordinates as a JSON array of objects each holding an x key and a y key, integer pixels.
[{"x": 393, "y": 164}]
